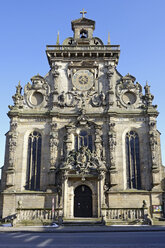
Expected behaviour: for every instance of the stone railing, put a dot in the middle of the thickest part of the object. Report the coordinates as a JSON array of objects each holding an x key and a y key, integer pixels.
[
  {"x": 127, "y": 214},
  {"x": 42, "y": 214},
  {"x": 99, "y": 47}
]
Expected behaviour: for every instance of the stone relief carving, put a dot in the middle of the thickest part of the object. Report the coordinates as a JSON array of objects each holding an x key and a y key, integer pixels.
[
  {"x": 17, "y": 98},
  {"x": 112, "y": 143},
  {"x": 112, "y": 146},
  {"x": 83, "y": 162},
  {"x": 68, "y": 138},
  {"x": 98, "y": 141},
  {"x": 153, "y": 136},
  {"x": 99, "y": 99},
  {"x": 12, "y": 136},
  {"x": 148, "y": 97},
  {"x": 53, "y": 144},
  {"x": 12, "y": 144},
  {"x": 129, "y": 95},
  {"x": 110, "y": 71},
  {"x": 92, "y": 66},
  {"x": 55, "y": 70},
  {"x": 68, "y": 99},
  {"x": 82, "y": 119},
  {"x": 68, "y": 41},
  {"x": 37, "y": 93},
  {"x": 153, "y": 141},
  {"x": 81, "y": 99}
]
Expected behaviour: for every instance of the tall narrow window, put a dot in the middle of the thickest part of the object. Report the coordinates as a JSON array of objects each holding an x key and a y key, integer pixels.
[
  {"x": 34, "y": 161},
  {"x": 133, "y": 160},
  {"x": 83, "y": 139}
]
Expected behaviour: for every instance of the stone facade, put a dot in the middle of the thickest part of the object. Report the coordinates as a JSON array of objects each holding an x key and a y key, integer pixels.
[{"x": 82, "y": 128}]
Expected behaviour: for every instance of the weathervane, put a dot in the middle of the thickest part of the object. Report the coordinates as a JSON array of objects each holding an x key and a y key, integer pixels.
[{"x": 83, "y": 12}]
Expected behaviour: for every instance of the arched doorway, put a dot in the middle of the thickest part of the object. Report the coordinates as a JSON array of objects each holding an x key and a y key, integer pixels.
[{"x": 82, "y": 201}]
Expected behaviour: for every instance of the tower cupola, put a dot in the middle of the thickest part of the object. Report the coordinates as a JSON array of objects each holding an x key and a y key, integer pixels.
[{"x": 83, "y": 29}]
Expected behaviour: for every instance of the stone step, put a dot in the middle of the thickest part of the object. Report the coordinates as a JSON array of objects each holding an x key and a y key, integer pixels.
[
  {"x": 123, "y": 222},
  {"x": 83, "y": 222}
]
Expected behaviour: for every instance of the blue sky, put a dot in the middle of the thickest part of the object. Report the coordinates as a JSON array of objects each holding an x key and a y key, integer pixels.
[{"x": 27, "y": 26}]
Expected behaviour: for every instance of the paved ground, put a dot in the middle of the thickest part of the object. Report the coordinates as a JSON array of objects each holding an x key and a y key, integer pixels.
[
  {"x": 74, "y": 229},
  {"x": 84, "y": 240}
]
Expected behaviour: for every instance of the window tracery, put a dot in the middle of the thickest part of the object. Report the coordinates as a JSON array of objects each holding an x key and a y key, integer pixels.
[
  {"x": 83, "y": 138},
  {"x": 132, "y": 160},
  {"x": 34, "y": 161}
]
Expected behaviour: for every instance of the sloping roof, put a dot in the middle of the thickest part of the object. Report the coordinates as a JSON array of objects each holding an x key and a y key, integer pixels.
[{"x": 83, "y": 21}]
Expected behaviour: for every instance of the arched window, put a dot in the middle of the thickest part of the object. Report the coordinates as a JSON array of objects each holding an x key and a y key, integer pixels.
[
  {"x": 132, "y": 160},
  {"x": 83, "y": 138},
  {"x": 34, "y": 161},
  {"x": 83, "y": 34}
]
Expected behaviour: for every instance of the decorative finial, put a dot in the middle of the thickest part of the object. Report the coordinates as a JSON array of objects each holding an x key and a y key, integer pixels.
[
  {"x": 147, "y": 88},
  {"x": 109, "y": 42},
  {"x": 58, "y": 39},
  {"x": 18, "y": 89},
  {"x": 83, "y": 12}
]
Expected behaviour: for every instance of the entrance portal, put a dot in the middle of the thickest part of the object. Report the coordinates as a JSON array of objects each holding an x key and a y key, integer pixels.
[{"x": 83, "y": 201}]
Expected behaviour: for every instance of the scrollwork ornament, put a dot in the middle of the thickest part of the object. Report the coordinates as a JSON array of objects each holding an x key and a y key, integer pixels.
[
  {"x": 99, "y": 100},
  {"x": 83, "y": 162}
]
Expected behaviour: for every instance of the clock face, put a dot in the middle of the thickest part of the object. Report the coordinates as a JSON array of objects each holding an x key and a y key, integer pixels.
[{"x": 83, "y": 80}]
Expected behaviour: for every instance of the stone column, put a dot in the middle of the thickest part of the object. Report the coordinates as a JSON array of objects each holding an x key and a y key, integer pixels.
[
  {"x": 99, "y": 197},
  {"x": 102, "y": 193},
  {"x": 12, "y": 141},
  {"x": 55, "y": 74},
  {"x": 102, "y": 183},
  {"x": 65, "y": 195},
  {"x": 110, "y": 72},
  {"x": 68, "y": 140},
  {"x": 153, "y": 140},
  {"x": 112, "y": 147},
  {"x": 98, "y": 141},
  {"x": 53, "y": 144}
]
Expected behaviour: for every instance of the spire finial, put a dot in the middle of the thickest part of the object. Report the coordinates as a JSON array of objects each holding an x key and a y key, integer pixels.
[
  {"x": 58, "y": 39},
  {"x": 109, "y": 42},
  {"x": 83, "y": 12}
]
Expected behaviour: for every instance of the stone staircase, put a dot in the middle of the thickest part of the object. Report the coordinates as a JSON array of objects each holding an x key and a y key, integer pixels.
[{"x": 83, "y": 222}]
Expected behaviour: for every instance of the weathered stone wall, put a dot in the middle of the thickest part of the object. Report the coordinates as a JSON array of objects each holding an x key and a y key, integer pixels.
[
  {"x": 29, "y": 200},
  {"x": 1, "y": 205},
  {"x": 58, "y": 109}
]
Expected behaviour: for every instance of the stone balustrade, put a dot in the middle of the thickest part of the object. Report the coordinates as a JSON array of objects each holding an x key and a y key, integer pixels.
[
  {"x": 127, "y": 214},
  {"x": 32, "y": 214},
  {"x": 90, "y": 47}
]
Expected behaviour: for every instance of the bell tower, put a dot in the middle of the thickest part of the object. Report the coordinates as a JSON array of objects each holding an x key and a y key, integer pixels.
[{"x": 83, "y": 29}]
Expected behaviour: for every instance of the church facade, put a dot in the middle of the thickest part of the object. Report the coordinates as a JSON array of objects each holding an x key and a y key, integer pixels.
[{"x": 83, "y": 141}]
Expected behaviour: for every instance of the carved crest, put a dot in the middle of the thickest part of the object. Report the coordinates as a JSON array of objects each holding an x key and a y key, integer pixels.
[
  {"x": 83, "y": 162},
  {"x": 36, "y": 94},
  {"x": 129, "y": 94}
]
